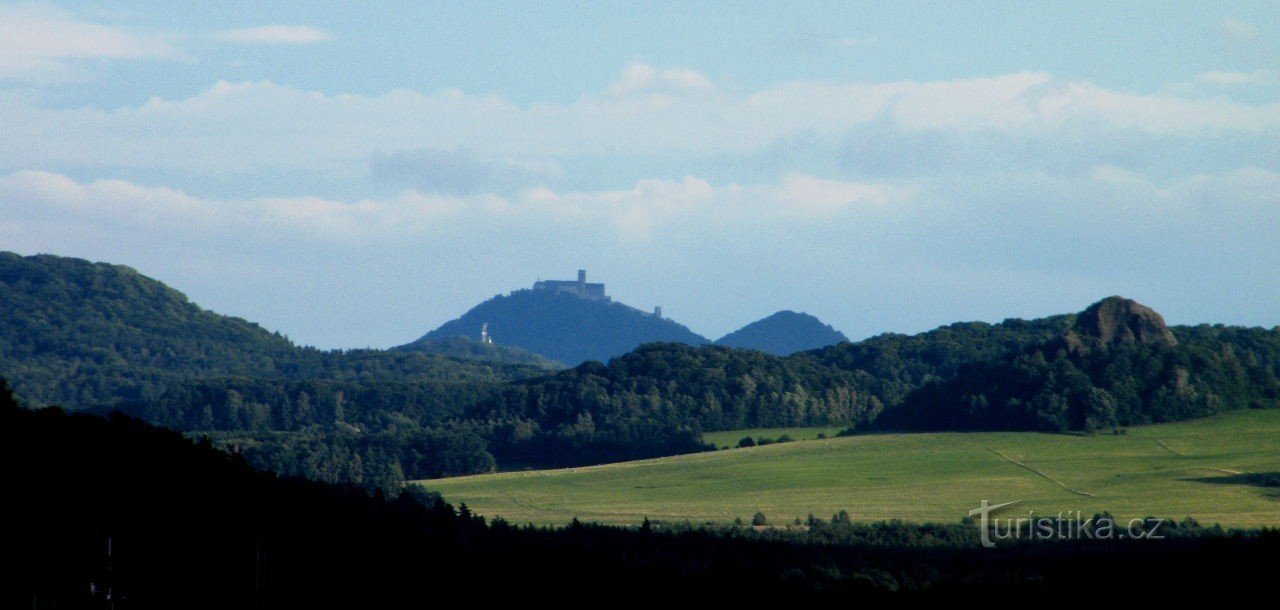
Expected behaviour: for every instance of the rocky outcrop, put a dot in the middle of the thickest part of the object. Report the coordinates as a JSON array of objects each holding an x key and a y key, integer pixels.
[{"x": 1118, "y": 321}]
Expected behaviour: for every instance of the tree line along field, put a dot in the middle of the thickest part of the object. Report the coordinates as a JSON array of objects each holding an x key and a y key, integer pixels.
[
  {"x": 729, "y": 438},
  {"x": 1224, "y": 469}
]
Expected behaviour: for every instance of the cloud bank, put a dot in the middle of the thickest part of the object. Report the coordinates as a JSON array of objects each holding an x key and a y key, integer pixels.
[
  {"x": 265, "y": 126},
  {"x": 42, "y": 44}
]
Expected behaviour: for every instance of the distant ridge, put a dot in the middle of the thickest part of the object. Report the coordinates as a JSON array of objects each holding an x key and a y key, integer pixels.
[
  {"x": 563, "y": 326},
  {"x": 784, "y": 333},
  {"x": 465, "y": 348},
  {"x": 80, "y": 334}
]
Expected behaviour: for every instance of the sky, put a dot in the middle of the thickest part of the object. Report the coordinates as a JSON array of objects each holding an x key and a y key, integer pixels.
[{"x": 354, "y": 175}]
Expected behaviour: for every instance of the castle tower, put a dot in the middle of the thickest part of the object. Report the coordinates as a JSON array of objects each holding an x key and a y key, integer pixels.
[{"x": 484, "y": 334}]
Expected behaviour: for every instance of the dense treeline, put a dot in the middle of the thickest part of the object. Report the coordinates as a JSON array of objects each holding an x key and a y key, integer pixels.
[
  {"x": 104, "y": 337},
  {"x": 466, "y": 348},
  {"x": 660, "y": 398},
  {"x": 896, "y": 365},
  {"x": 372, "y": 434},
  {"x": 157, "y": 521},
  {"x": 80, "y": 334},
  {"x": 260, "y": 405},
  {"x": 1057, "y": 387}
]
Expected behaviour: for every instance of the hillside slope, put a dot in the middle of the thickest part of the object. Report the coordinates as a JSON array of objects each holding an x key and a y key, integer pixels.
[
  {"x": 563, "y": 327},
  {"x": 464, "y": 348},
  {"x": 1167, "y": 470},
  {"x": 1117, "y": 364},
  {"x": 79, "y": 334},
  {"x": 783, "y": 333}
]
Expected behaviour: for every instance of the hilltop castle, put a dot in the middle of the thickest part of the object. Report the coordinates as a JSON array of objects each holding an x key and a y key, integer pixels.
[{"x": 580, "y": 288}]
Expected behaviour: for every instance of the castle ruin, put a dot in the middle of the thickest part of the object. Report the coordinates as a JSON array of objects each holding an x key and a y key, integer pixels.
[{"x": 580, "y": 288}]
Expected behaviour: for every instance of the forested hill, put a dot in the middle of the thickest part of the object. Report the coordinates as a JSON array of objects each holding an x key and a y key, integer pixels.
[
  {"x": 154, "y": 520},
  {"x": 899, "y": 364},
  {"x": 94, "y": 335},
  {"x": 78, "y": 334},
  {"x": 465, "y": 348},
  {"x": 783, "y": 333},
  {"x": 1116, "y": 364},
  {"x": 563, "y": 327}
]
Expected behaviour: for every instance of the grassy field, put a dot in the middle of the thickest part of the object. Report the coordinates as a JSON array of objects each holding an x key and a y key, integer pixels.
[{"x": 1216, "y": 470}]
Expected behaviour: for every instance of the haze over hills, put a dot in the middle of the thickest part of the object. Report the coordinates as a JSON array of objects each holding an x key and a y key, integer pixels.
[
  {"x": 784, "y": 333},
  {"x": 566, "y": 321}
]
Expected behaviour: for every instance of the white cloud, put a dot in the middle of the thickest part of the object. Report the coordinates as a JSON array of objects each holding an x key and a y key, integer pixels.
[
  {"x": 631, "y": 215},
  {"x": 275, "y": 35},
  {"x": 42, "y": 44},
  {"x": 935, "y": 248},
  {"x": 264, "y": 126},
  {"x": 126, "y": 206}
]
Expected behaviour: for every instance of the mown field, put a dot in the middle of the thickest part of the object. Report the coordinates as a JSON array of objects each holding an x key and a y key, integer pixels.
[{"x": 1224, "y": 470}]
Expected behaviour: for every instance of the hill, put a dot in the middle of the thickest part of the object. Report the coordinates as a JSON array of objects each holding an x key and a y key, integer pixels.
[
  {"x": 783, "y": 333},
  {"x": 101, "y": 336},
  {"x": 1217, "y": 470},
  {"x": 1116, "y": 364},
  {"x": 465, "y": 348},
  {"x": 563, "y": 327},
  {"x": 80, "y": 334}
]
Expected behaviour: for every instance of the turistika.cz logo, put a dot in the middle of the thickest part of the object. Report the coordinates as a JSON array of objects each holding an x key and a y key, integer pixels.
[{"x": 1065, "y": 525}]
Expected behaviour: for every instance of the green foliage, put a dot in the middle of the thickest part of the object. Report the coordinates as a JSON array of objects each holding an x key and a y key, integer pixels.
[
  {"x": 658, "y": 399},
  {"x": 891, "y": 366},
  {"x": 465, "y": 348},
  {"x": 104, "y": 337},
  {"x": 193, "y": 527},
  {"x": 81, "y": 334},
  {"x": 1053, "y": 388}
]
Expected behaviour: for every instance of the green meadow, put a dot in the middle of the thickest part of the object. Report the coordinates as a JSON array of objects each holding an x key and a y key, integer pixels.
[{"x": 1223, "y": 469}]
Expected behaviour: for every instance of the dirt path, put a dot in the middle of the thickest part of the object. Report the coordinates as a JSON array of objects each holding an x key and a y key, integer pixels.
[
  {"x": 1057, "y": 482},
  {"x": 1169, "y": 449}
]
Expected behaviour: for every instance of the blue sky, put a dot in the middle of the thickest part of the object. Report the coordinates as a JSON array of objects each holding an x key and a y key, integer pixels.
[{"x": 354, "y": 176}]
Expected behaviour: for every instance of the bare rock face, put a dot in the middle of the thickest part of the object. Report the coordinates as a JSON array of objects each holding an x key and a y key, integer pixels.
[{"x": 1118, "y": 321}]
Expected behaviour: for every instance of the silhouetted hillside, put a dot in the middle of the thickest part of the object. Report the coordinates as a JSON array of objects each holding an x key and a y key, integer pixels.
[
  {"x": 114, "y": 513},
  {"x": 784, "y": 333},
  {"x": 564, "y": 327}
]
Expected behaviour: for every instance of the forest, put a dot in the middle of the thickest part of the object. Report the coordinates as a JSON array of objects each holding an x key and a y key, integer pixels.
[
  {"x": 103, "y": 338},
  {"x": 180, "y": 523}
]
